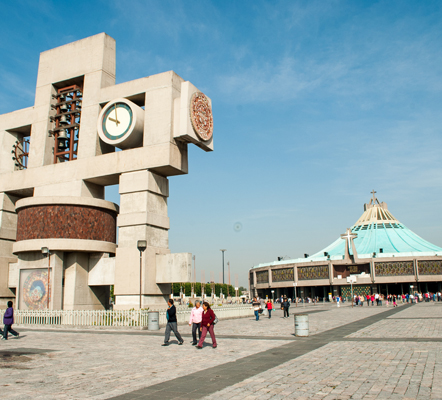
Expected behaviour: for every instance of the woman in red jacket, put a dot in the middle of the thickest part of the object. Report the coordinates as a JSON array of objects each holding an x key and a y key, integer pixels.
[{"x": 207, "y": 325}]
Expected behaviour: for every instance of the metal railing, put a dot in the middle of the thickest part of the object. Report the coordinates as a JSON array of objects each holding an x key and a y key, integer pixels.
[{"x": 115, "y": 318}]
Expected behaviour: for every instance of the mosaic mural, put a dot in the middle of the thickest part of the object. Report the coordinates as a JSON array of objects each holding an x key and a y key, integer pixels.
[
  {"x": 317, "y": 272},
  {"x": 345, "y": 271},
  {"x": 396, "y": 268},
  {"x": 33, "y": 289},
  {"x": 358, "y": 290},
  {"x": 430, "y": 267},
  {"x": 262, "y": 277},
  {"x": 283, "y": 275}
]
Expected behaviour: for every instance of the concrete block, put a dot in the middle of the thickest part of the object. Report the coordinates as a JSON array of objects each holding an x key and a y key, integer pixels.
[
  {"x": 7, "y": 202},
  {"x": 101, "y": 270},
  {"x": 7, "y": 141},
  {"x": 71, "y": 188},
  {"x": 76, "y": 59},
  {"x": 137, "y": 202},
  {"x": 8, "y": 225},
  {"x": 5, "y": 290},
  {"x": 139, "y": 181},
  {"x": 175, "y": 267},
  {"x": 17, "y": 119},
  {"x": 182, "y": 125},
  {"x": 143, "y": 218},
  {"x": 77, "y": 293},
  {"x": 13, "y": 275}
]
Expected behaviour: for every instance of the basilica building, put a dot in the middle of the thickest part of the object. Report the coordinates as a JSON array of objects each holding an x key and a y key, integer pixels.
[{"x": 378, "y": 254}]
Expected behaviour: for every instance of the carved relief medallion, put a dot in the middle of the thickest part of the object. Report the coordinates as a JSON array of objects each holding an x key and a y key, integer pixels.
[{"x": 201, "y": 116}]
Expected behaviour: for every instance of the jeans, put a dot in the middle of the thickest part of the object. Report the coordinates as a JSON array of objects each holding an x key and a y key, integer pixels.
[
  {"x": 172, "y": 326},
  {"x": 270, "y": 312},
  {"x": 204, "y": 333},
  {"x": 196, "y": 327},
  {"x": 8, "y": 328},
  {"x": 257, "y": 315},
  {"x": 286, "y": 312}
]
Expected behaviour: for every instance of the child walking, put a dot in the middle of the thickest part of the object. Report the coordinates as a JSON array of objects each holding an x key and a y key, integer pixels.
[{"x": 8, "y": 320}]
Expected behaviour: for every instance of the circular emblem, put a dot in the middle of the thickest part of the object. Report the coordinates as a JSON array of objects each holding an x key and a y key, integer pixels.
[
  {"x": 34, "y": 290},
  {"x": 201, "y": 116}
]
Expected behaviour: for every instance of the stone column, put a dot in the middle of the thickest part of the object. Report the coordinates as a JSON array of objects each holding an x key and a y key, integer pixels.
[
  {"x": 77, "y": 294},
  {"x": 8, "y": 227},
  {"x": 143, "y": 216}
]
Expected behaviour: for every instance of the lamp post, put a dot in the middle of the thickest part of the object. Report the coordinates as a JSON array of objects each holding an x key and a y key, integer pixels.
[
  {"x": 273, "y": 296},
  {"x": 141, "y": 245},
  {"x": 194, "y": 279},
  {"x": 46, "y": 251},
  {"x": 223, "y": 250}
]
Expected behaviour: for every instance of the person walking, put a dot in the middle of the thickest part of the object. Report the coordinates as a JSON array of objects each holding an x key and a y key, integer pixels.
[
  {"x": 207, "y": 319},
  {"x": 286, "y": 306},
  {"x": 256, "y": 307},
  {"x": 171, "y": 324},
  {"x": 368, "y": 299},
  {"x": 196, "y": 316},
  {"x": 269, "y": 306},
  {"x": 8, "y": 320}
]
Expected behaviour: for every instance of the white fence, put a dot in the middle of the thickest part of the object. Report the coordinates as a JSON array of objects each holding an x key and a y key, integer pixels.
[{"x": 116, "y": 318}]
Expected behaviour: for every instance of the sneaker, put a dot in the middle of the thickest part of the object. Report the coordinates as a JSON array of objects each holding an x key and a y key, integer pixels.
[
  {"x": 180, "y": 343},
  {"x": 165, "y": 344}
]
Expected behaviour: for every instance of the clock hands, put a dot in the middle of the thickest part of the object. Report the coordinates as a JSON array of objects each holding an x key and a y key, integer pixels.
[{"x": 116, "y": 117}]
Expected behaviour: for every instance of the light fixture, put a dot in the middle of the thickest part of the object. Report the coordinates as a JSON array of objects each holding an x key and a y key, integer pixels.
[{"x": 141, "y": 246}]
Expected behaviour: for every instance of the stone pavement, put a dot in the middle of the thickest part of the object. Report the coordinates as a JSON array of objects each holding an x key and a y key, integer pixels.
[{"x": 353, "y": 353}]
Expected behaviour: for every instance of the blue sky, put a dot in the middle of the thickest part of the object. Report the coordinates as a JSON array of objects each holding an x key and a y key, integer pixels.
[{"x": 315, "y": 104}]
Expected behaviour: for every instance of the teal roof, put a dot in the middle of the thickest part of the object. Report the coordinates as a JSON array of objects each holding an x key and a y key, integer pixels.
[
  {"x": 391, "y": 238},
  {"x": 377, "y": 229}
]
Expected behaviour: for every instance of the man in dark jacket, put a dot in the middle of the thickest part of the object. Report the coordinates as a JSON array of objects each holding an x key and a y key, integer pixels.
[
  {"x": 286, "y": 305},
  {"x": 8, "y": 320},
  {"x": 171, "y": 324}
]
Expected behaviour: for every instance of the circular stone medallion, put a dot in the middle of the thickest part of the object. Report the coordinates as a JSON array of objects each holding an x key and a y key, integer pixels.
[{"x": 201, "y": 116}]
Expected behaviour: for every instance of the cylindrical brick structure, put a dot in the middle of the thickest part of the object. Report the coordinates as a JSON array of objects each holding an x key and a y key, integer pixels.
[{"x": 70, "y": 223}]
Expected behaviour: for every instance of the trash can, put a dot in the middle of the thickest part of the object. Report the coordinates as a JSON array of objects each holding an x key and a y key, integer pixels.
[
  {"x": 301, "y": 325},
  {"x": 153, "y": 321}
]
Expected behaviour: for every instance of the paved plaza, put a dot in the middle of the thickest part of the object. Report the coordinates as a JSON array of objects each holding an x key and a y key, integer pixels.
[{"x": 352, "y": 353}]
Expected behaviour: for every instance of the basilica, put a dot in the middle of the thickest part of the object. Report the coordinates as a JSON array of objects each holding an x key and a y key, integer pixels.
[{"x": 378, "y": 254}]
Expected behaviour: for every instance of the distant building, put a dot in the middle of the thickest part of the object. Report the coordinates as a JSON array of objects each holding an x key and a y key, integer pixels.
[{"x": 382, "y": 254}]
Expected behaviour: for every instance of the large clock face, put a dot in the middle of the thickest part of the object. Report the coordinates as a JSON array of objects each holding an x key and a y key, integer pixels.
[
  {"x": 117, "y": 120},
  {"x": 121, "y": 124}
]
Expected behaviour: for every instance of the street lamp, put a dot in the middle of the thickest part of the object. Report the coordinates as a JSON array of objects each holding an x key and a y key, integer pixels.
[
  {"x": 141, "y": 245},
  {"x": 273, "y": 296},
  {"x": 46, "y": 251},
  {"x": 223, "y": 250}
]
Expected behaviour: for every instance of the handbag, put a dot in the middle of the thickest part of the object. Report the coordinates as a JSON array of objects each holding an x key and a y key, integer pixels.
[{"x": 215, "y": 321}]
